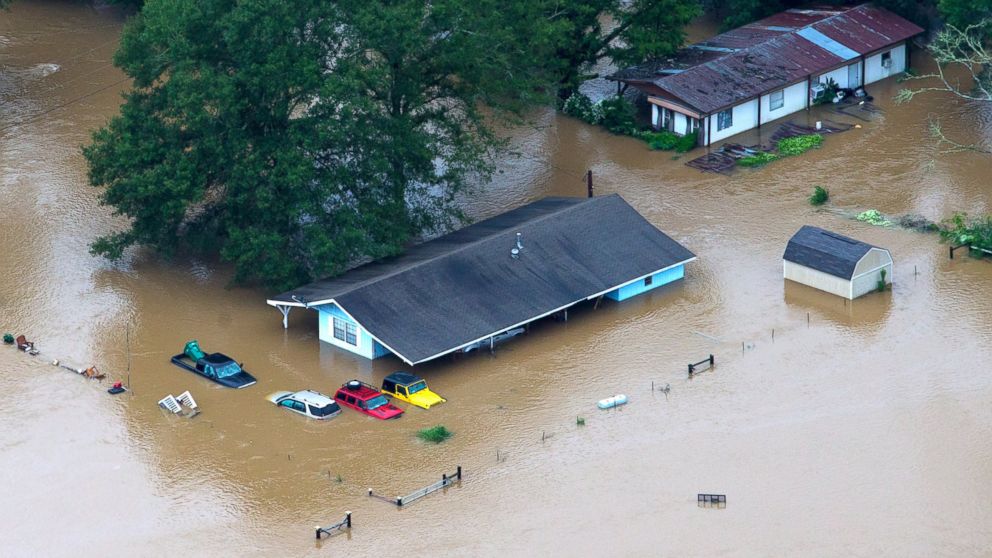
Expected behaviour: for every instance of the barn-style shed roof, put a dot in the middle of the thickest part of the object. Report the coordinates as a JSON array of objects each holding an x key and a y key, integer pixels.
[
  {"x": 829, "y": 252},
  {"x": 465, "y": 286}
]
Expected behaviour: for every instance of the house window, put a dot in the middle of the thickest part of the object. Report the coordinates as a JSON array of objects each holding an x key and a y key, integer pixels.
[
  {"x": 648, "y": 280},
  {"x": 693, "y": 125},
  {"x": 666, "y": 118},
  {"x": 776, "y": 100},
  {"x": 887, "y": 59},
  {"x": 345, "y": 331},
  {"x": 725, "y": 119}
]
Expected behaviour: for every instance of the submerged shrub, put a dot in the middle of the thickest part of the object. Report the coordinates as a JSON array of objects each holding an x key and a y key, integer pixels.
[
  {"x": 757, "y": 160},
  {"x": 820, "y": 196},
  {"x": 873, "y": 217},
  {"x": 799, "y": 144},
  {"x": 962, "y": 230},
  {"x": 669, "y": 141},
  {"x": 579, "y": 106},
  {"x": 618, "y": 115},
  {"x": 435, "y": 434}
]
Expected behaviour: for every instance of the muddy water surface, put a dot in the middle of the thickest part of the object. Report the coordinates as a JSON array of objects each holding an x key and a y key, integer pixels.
[{"x": 860, "y": 430}]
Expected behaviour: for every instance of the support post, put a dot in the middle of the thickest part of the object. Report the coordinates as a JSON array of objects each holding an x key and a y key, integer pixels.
[
  {"x": 712, "y": 360},
  {"x": 458, "y": 473},
  {"x": 284, "y": 310},
  {"x": 399, "y": 501},
  {"x": 318, "y": 532},
  {"x": 347, "y": 519},
  {"x": 589, "y": 182}
]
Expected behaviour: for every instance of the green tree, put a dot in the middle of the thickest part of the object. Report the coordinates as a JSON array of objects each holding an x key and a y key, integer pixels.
[
  {"x": 294, "y": 137},
  {"x": 962, "y": 13},
  {"x": 625, "y": 33}
]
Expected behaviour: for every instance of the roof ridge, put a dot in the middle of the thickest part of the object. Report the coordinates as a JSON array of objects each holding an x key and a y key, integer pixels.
[{"x": 565, "y": 209}]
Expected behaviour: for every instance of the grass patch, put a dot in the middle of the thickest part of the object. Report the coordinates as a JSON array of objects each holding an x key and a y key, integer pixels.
[
  {"x": 799, "y": 144},
  {"x": 580, "y": 421},
  {"x": 435, "y": 434},
  {"x": 757, "y": 160},
  {"x": 820, "y": 196}
]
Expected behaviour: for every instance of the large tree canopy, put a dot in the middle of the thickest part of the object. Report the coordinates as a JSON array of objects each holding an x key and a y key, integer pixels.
[
  {"x": 624, "y": 32},
  {"x": 295, "y": 137}
]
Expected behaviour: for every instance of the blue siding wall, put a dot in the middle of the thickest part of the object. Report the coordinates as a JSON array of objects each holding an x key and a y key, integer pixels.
[
  {"x": 366, "y": 346},
  {"x": 657, "y": 280}
]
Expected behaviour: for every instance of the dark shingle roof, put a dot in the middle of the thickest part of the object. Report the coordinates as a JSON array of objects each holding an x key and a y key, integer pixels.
[
  {"x": 464, "y": 286},
  {"x": 826, "y": 251}
]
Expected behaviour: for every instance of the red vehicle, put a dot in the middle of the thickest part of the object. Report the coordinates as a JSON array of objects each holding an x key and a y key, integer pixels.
[{"x": 366, "y": 399}]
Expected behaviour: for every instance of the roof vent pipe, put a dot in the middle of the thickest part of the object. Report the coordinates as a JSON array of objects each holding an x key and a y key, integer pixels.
[{"x": 520, "y": 246}]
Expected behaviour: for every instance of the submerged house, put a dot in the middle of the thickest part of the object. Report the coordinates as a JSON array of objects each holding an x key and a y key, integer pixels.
[
  {"x": 835, "y": 263},
  {"x": 770, "y": 68},
  {"x": 491, "y": 277}
]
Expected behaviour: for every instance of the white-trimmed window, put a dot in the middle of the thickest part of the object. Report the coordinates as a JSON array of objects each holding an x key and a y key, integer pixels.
[
  {"x": 887, "y": 59},
  {"x": 345, "y": 331},
  {"x": 693, "y": 125},
  {"x": 776, "y": 100},
  {"x": 666, "y": 118},
  {"x": 724, "y": 119}
]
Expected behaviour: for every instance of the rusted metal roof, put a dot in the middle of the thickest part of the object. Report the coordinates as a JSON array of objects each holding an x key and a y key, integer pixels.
[
  {"x": 866, "y": 29},
  {"x": 767, "y": 55}
]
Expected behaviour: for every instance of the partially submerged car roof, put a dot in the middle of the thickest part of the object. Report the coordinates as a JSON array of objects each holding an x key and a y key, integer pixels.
[
  {"x": 403, "y": 378},
  {"x": 311, "y": 397}
]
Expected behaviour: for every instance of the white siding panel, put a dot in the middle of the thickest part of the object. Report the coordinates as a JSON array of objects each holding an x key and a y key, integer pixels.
[
  {"x": 874, "y": 70},
  {"x": 680, "y": 124},
  {"x": 869, "y": 282},
  {"x": 745, "y": 118},
  {"x": 839, "y": 76},
  {"x": 655, "y": 116},
  {"x": 816, "y": 279},
  {"x": 795, "y": 100}
]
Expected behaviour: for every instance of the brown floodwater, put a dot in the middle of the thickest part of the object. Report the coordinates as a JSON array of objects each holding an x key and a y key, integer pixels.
[{"x": 855, "y": 429}]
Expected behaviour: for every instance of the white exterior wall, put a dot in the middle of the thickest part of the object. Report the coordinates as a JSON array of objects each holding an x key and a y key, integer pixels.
[
  {"x": 681, "y": 124},
  {"x": 868, "y": 272},
  {"x": 839, "y": 76},
  {"x": 745, "y": 118},
  {"x": 655, "y": 116},
  {"x": 795, "y": 100},
  {"x": 325, "y": 327},
  {"x": 873, "y": 64},
  {"x": 816, "y": 279}
]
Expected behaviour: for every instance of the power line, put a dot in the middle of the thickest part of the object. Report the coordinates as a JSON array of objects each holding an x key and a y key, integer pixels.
[{"x": 61, "y": 106}]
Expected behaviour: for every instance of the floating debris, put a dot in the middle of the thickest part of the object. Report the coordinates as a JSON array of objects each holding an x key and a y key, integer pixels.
[{"x": 611, "y": 402}]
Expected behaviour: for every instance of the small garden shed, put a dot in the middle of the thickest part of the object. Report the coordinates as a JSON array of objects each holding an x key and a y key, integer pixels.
[{"x": 835, "y": 263}]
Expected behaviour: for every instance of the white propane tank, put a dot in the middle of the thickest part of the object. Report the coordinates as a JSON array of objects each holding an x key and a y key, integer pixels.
[{"x": 610, "y": 402}]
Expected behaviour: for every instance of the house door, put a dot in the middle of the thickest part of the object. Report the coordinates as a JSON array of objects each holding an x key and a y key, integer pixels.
[{"x": 854, "y": 75}]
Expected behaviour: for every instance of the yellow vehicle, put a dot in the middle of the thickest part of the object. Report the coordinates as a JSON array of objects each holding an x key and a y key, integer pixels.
[{"x": 410, "y": 388}]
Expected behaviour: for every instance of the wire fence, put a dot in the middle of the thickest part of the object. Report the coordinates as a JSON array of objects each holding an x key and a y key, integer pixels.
[{"x": 400, "y": 501}]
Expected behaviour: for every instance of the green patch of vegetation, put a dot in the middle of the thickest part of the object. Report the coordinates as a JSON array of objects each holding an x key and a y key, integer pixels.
[
  {"x": 618, "y": 115},
  {"x": 669, "y": 141},
  {"x": 820, "y": 196},
  {"x": 873, "y": 217},
  {"x": 799, "y": 144},
  {"x": 881, "y": 281},
  {"x": 580, "y": 421},
  {"x": 8, "y": 338},
  {"x": 757, "y": 160},
  {"x": 960, "y": 229},
  {"x": 339, "y": 479},
  {"x": 435, "y": 434}
]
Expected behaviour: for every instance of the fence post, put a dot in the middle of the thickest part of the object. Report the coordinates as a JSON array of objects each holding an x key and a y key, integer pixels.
[
  {"x": 711, "y": 360},
  {"x": 318, "y": 532},
  {"x": 444, "y": 479},
  {"x": 347, "y": 519},
  {"x": 459, "y": 473},
  {"x": 399, "y": 501}
]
